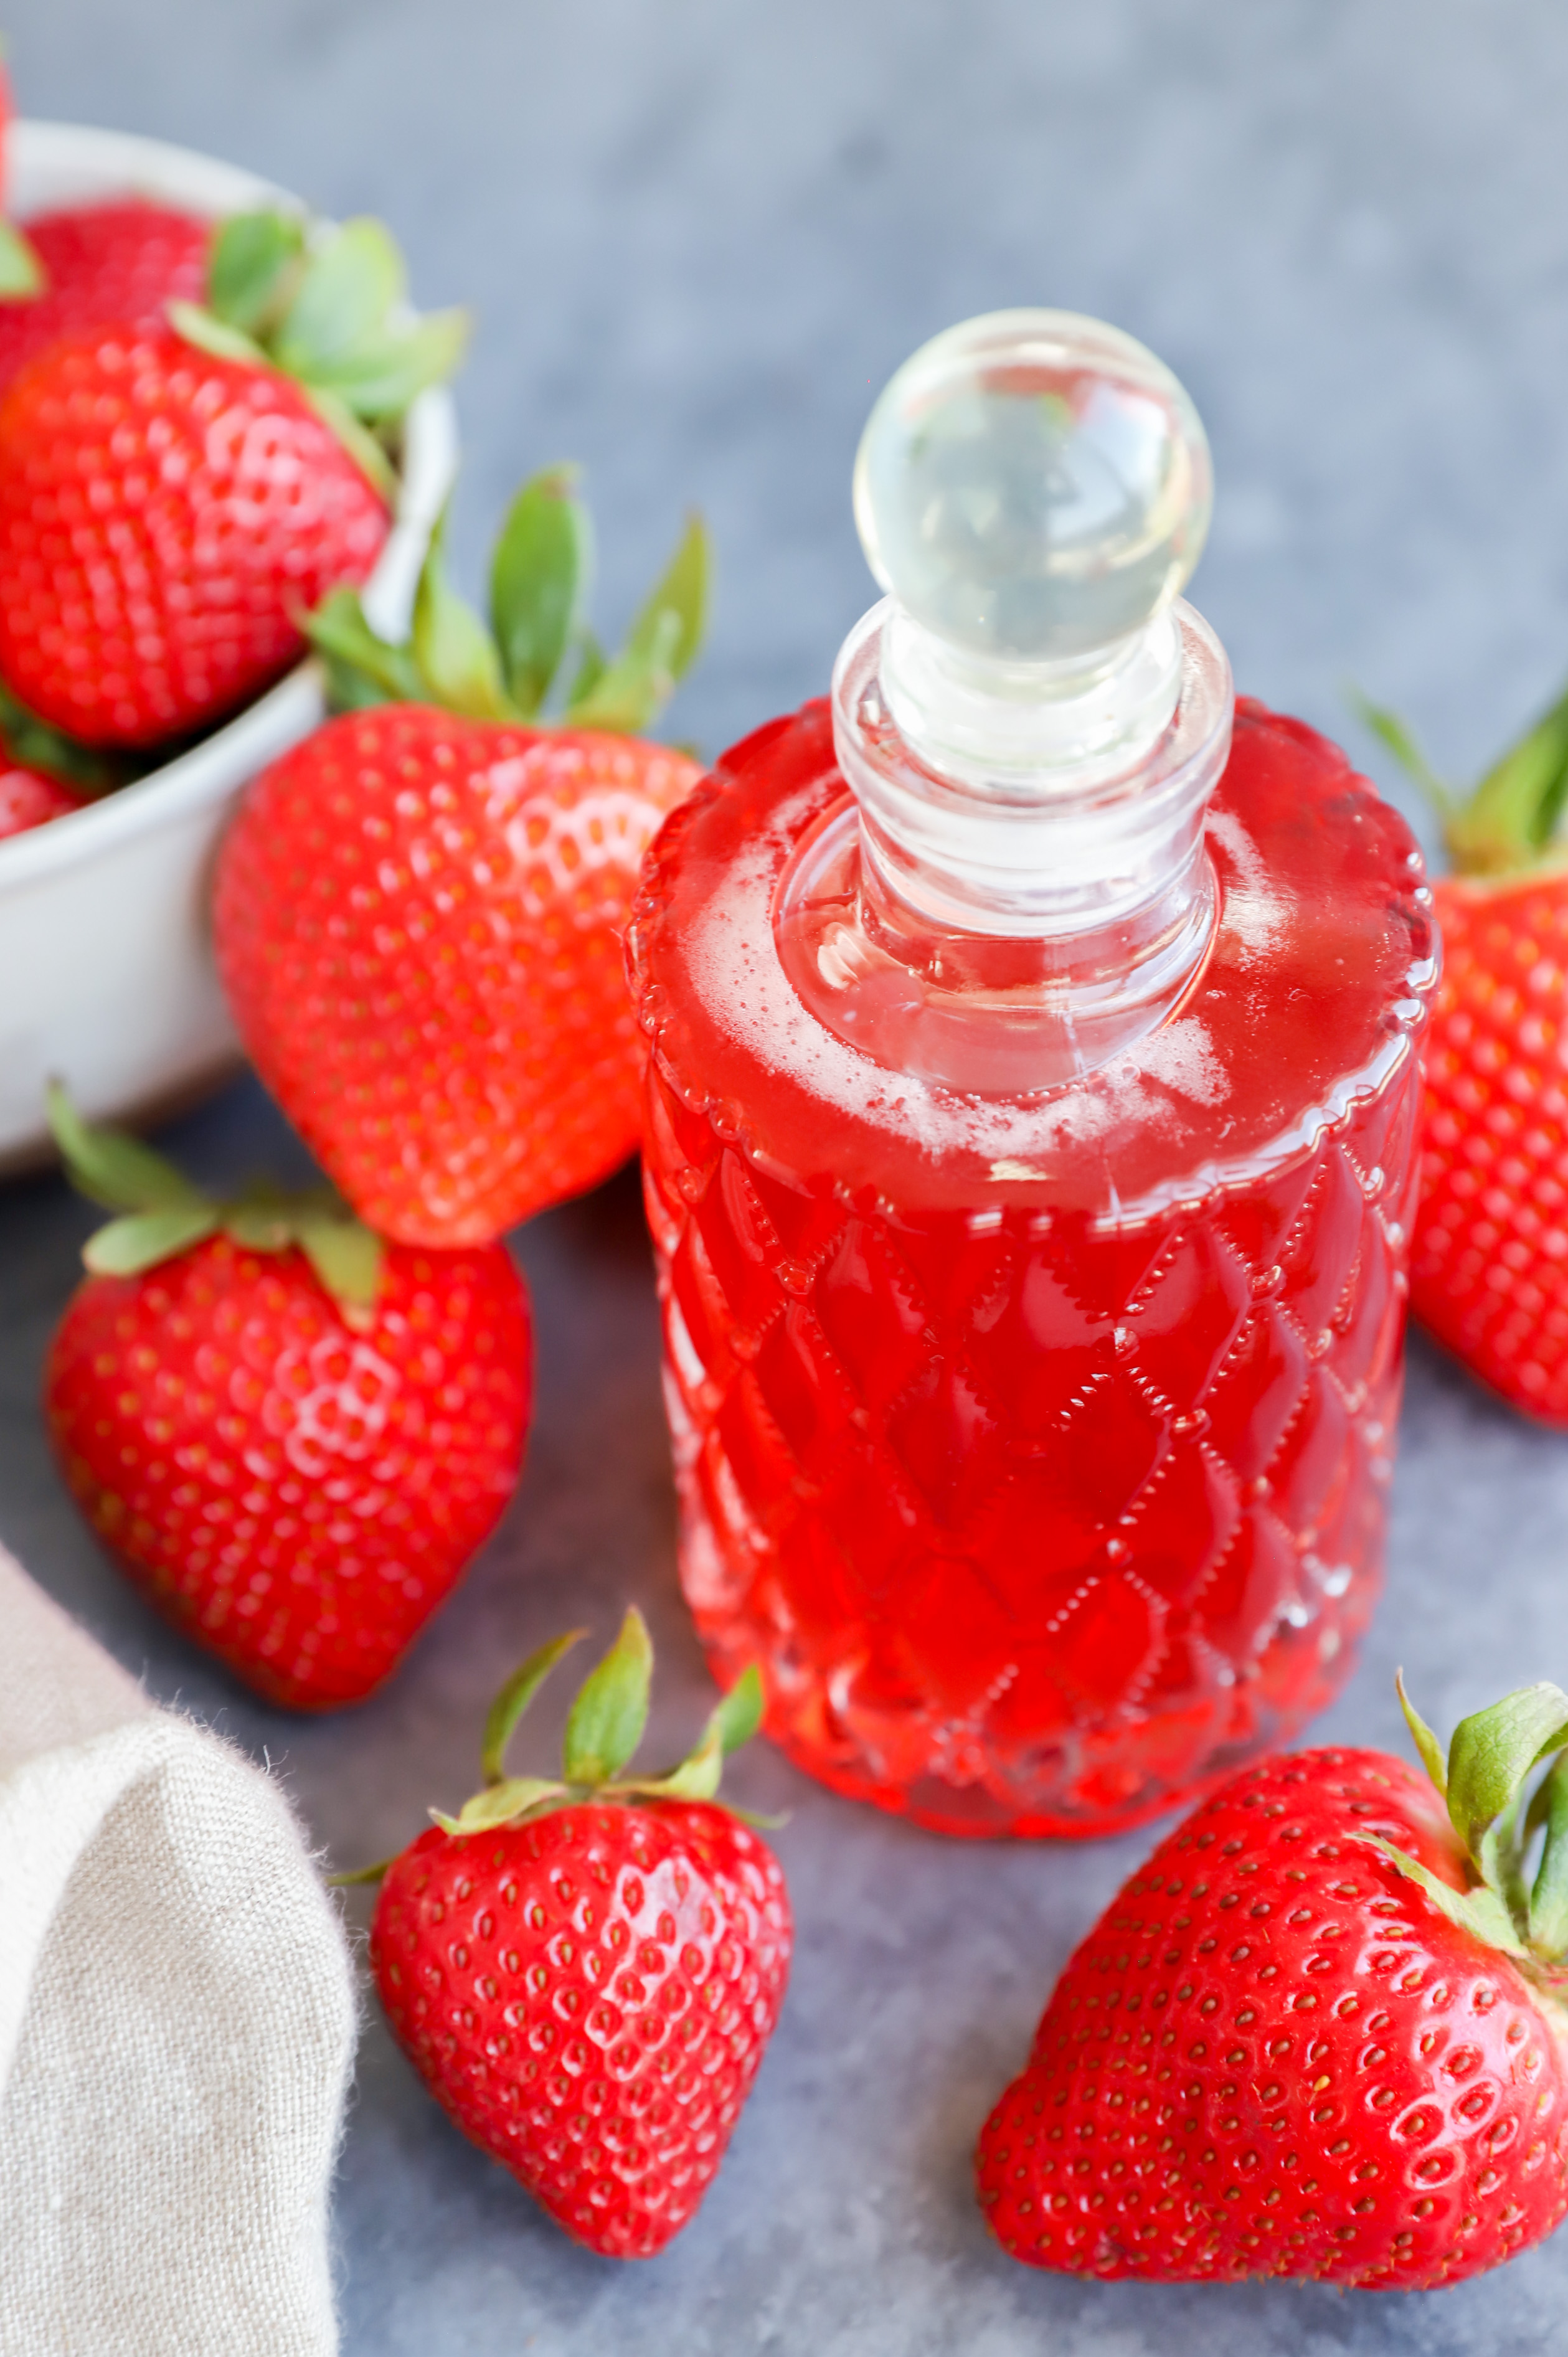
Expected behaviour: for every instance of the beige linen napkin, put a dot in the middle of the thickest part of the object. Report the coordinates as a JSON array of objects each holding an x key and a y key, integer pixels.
[{"x": 175, "y": 2023}]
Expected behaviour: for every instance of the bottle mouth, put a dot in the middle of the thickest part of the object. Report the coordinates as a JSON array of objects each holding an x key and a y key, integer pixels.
[{"x": 1084, "y": 809}]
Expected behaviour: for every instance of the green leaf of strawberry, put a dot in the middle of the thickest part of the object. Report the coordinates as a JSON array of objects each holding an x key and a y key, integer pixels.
[
  {"x": 37, "y": 746},
  {"x": 604, "y": 1728},
  {"x": 256, "y": 261},
  {"x": 386, "y": 371},
  {"x": 1548, "y": 1894},
  {"x": 203, "y": 328},
  {"x": 453, "y": 653},
  {"x": 1485, "y": 1783},
  {"x": 21, "y": 273},
  {"x": 1489, "y": 1755},
  {"x": 352, "y": 279},
  {"x": 592, "y": 665},
  {"x": 664, "y": 639},
  {"x": 1421, "y": 1736},
  {"x": 697, "y": 1776},
  {"x": 345, "y": 1254},
  {"x": 141, "y": 1239},
  {"x": 113, "y": 1168},
  {"x": 163, "y": 1213},
  {"x": 514, "y": 1698},
  {"x": 1510, "y": 821},
  {"x": 539, "y": 575},
  {"x": 732, "y": 1722},
  {"x": 498, "y": 1805},
  {"x": 607, "y": 1719},
  {"x": 738, "y": 1718},
  {"x": 1481, "y": 1912},
  {"x": 327, "y": 309},
  {"x": 362, "y": 670}
]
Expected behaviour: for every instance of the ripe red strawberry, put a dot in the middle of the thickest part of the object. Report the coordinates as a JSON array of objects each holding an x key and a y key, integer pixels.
[
  {"x": 585, "y": 1972},
  {"x": 1321, "y": 2033},
  {"x": 122, "y": 261},
  {"x": 44, "y": 775},
  {"x": 28, "y": 798},
  {"x": 172, "y": 499},
  {"x": 419, "y": 912},
  {"x": 293, "y": 1441},
  {"x": 1490, "y": 1254}
]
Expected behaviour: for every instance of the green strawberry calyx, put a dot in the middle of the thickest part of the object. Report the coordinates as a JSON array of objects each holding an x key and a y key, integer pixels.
[
  {"x": 328, "y": 307},
  {"x": 35, "y": 744},
  {"x": 604, "y": 1729},
  {"x": 22, "y": 274},
  {"x": 1505, "y": 1785},
  {"x": 1511, "y": 820},
  {"x": 536, "y": 656},
  {"x": 160, "y": 1213}
]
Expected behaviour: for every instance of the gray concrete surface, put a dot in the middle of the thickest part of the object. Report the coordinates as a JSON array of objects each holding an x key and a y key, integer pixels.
[{"x": 699, "y": 235}]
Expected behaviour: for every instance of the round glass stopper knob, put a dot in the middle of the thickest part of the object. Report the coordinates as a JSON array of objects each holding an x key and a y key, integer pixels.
[{"x": 1033, "y": 486}]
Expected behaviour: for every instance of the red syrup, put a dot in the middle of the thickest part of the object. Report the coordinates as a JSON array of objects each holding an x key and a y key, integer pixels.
[{"x": 1037, "y": 1447}]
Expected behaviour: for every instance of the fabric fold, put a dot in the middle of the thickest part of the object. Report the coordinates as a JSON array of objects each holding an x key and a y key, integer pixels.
[{"x": 177, "y": 2024}]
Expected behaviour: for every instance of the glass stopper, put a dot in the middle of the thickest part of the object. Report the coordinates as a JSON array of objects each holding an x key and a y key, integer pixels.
[{"x": 1033, "y": 486}]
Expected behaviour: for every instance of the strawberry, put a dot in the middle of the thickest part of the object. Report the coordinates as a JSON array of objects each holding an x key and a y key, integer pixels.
[
  {"x": 1489, "y": 1253},
  {"x": 121, "y": 261},
  {"x": 419, "y": 912},
  {"x": 1321, "y": 2033},
  {"x": 292, "y": 1439},
  {"x": 43, "y": 775},
  {"x": 28, "y": 798},
  {"x": 171, "y": 499},
  {"x": 585, "y": 1970}
]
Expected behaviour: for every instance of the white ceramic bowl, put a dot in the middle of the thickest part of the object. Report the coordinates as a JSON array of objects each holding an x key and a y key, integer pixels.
[{"x": 106, "y": 973}]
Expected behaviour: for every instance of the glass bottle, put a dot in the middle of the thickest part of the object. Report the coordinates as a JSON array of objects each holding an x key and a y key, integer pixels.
[{"x": 1029, "y": 1141}]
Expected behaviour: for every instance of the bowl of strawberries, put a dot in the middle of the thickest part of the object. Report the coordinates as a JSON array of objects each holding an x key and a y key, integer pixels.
[{"x": 213, "y": 412}]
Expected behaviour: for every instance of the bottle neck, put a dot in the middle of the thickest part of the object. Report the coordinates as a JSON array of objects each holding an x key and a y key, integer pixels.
[
  {"x": 1035, "y": 802},
  {"x": 1008, "y": 926}
]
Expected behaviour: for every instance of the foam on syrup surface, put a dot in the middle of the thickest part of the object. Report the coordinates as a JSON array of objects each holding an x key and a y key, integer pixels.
[{"x": 1285, "y": 1029}]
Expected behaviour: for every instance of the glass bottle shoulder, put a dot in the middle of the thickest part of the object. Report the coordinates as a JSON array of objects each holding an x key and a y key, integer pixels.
[{"x": 1321, "y": 966}]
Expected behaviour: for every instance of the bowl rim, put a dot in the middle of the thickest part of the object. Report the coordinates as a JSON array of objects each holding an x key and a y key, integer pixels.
[
  {"x": 112, "y": 162},
  {"x": 129, "y": 163}
]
